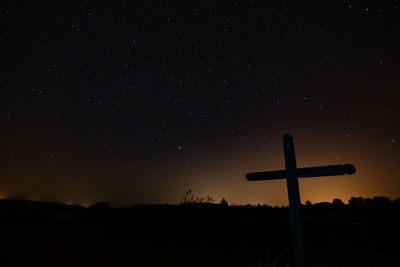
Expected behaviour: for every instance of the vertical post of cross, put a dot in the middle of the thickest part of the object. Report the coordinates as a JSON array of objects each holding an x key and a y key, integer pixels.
[{"x": 294, "y": 200}]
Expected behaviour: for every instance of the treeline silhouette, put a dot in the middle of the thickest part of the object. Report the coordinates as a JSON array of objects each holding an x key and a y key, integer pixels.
[
  {"x": 199, "y": 231},
  {"x": 14, "y": 209}
]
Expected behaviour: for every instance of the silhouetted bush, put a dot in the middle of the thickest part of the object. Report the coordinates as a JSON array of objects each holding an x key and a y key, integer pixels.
[
  {"x": 224, "y": 202},
  {"x": 382, "y": 202},
  {"x": 189, "y": 198},
  {"x": 354, "y": 201},
  {"x": 338, "y": 203},
  {"x": 368, "y": 202},
  {"x": 323, "y": 206}
]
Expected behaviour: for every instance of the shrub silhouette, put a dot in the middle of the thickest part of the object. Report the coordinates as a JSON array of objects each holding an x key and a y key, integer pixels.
[
  {"x": 189, "y": 198},
  {"x": 382, "y": 202},
  {"x": 354, "y": 201},
  {"x": 338, "y": 203},
  {"x": 224, "y": 202}
]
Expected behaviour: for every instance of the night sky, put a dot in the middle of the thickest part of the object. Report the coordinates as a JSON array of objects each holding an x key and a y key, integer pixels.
[{"x": 138, "y": 101}]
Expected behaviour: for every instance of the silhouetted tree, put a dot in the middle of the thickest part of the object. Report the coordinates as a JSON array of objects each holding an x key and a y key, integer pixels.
[
  {"x": 378, "y": 202},
  {"x": 356, "y": 201},
  {"x": 337, "y": 203},
  {"x": 382, "y": 202},
  {"x": 323, "y": 206},
  {"x": 224, "y": 202},
  {"x": 368, "y": 202}
]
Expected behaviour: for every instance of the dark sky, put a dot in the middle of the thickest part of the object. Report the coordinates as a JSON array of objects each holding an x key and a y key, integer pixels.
[{"x": 138, "y": 101}]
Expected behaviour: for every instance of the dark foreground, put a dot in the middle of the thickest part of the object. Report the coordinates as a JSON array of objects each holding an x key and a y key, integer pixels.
[{"x": 46, "y": 234}]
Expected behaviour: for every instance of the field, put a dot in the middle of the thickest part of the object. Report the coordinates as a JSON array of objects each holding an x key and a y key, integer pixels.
[{"x": 197, "y": 234}]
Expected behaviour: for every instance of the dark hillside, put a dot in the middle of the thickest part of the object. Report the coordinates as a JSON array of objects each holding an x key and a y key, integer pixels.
[{"x": 196, "y": 234}]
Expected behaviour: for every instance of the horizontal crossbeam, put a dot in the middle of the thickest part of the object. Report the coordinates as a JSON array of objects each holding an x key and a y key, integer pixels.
[{"x": 330, "y": 170}]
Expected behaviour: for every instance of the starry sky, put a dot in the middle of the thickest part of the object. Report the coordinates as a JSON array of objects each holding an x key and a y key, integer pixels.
[{"x": 138, "y": 101}]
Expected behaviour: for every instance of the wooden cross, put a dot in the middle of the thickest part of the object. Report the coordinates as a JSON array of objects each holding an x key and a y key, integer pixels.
[{"x": 291, "y": 173}]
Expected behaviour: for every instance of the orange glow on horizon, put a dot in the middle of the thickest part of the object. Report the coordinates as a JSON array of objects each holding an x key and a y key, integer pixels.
[
  {"x": 225, "y": 177},
  {"x": 221, "y": 174}
]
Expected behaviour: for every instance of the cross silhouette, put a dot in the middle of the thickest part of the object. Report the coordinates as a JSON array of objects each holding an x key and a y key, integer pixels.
[{"x": 291, "y": 173}]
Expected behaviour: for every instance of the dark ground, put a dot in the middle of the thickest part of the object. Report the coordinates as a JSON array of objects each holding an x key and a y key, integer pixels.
[{"x": 365, "y": 233}]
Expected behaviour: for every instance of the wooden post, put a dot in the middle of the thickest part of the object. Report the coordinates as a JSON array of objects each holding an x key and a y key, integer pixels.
[{"x": 294, "y": 200}]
